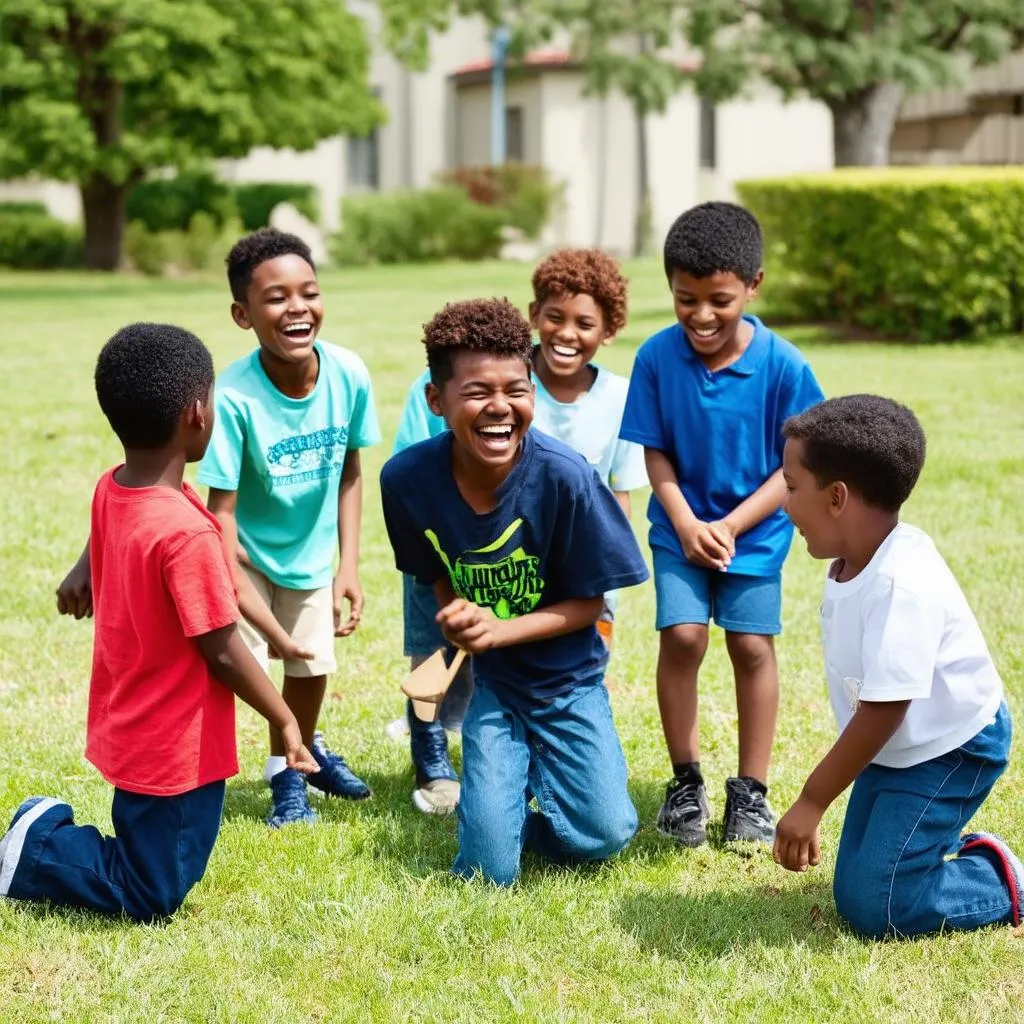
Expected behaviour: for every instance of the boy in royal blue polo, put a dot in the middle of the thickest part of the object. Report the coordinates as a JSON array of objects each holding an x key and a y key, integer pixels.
[
  {"x": 707, "y": 400},
  {"x": 925, "y": 731},
  {"x": 506, "y": 523}
]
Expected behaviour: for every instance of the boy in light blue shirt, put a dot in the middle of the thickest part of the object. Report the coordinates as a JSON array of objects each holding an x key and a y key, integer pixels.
[
  {"x": 579, "y": 305},
  {"x": 707, "y": 400},
  {"x": 285, "y": 483}
]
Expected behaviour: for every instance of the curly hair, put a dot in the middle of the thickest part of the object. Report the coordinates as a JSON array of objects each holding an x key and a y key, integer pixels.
[
  {"x": 715, "y": 238},
  {"x": 252, "y": 250},
  {"x": 872, "y": 444},
  {"x": 146, "y": 377},
  {"x": 494, "y": 326},
  {"x": 584, "y": 272}
]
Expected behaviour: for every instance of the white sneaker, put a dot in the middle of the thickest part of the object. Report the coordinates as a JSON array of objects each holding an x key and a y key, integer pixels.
[
  {"x": 398, "y": 730},
  {"x": 439, "y": 796}
]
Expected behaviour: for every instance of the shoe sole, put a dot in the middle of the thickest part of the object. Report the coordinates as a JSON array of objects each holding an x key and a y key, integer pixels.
[
  {"x": 689, "y": 843},
  {"x": 13, "y": 843},
  {"x": 324, "y": 795},
  {"x": 422, "y": 804}
]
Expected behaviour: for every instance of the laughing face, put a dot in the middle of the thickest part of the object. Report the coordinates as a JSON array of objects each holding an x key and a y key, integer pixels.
[
  {"x": 571, "y": 329},
  {"x": 488, "y": 404},
  {"x": 284, "y": 308},
  {"x": 710, "y": 310}
]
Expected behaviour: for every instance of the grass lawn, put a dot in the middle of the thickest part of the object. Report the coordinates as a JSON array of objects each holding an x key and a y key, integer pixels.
[{"x": 356, "y": 918}]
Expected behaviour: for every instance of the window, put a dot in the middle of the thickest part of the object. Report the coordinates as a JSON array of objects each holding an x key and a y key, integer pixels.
[
  {"x": 362, "y": 157},
  {"x": 514, "y": 143},
  {"x": 708, "y": 142}
]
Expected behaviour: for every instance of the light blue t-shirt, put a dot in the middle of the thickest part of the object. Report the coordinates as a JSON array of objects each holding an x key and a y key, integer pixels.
[
  {"x": 721, "y": 431},
  {"x": 284, "y": 456},
  {"x": 590, "y": 425}
]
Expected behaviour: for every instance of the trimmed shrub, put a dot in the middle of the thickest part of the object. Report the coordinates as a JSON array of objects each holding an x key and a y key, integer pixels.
[
  {"x": 202, "y": 247},
  {"x": 416, "y": 227},
  {"x": 929, "y": 253},
  {"x": 256, "y": 200},
  {"x": 22, "y": 206},
  {"x": 526, "y": 194},
  {"x": 169, "y": 204},
  {"x": 37, "y": 241}
]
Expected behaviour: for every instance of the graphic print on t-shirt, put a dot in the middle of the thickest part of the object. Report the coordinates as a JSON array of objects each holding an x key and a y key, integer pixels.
[
  {"x": 305, "y": 457},
  {"x": 509, "y": 586}
]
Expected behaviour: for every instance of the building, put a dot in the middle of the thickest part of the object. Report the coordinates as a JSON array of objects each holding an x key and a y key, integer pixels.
[
  {"x": 440, "y": 119},
  {"x": 982, "y": 123}
]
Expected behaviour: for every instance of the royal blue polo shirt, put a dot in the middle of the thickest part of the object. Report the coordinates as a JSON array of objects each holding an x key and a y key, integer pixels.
[{"x": 722, "y": 431}]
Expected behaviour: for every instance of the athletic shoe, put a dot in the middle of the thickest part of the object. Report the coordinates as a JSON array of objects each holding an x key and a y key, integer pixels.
[
  {"x": 437, "y": 796},
  {"x": 289, "y": 799},
  {"x": 13, "y": 841},
  {"x": 685, "y": 814},
  {"x": 1009, "y": 867},
  {"x": 748, "y": 815},
  {"x": 335, "y": 778},
  {"x": 437, "y": 786}
]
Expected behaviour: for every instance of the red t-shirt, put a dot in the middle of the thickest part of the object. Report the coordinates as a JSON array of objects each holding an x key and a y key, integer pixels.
[{"x": 159, "y": 722}]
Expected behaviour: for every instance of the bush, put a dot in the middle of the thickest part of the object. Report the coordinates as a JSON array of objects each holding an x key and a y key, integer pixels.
[
  {"x": 202, "y": 247},
  {"x": 37, "y": 241},
  {"x": 22, "y": 206},
  {"x": 526, "y": 194},
  {"x": 256, "y": 200},
  {"x": 923, "y": 253},
  {"x": 169, "y": 204},
  {"x": 416, "y": 227}
]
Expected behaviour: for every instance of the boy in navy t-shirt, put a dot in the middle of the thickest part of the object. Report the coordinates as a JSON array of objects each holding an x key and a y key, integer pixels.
[
  {"x": 520, "y": 540},
  {"x": 707, "y": 400}
]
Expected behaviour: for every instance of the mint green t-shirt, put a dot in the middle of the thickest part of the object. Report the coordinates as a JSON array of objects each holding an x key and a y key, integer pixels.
[{"x": 284, "y": 457}]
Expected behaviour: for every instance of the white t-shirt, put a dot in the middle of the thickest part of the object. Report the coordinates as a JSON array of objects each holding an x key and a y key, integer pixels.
[
  {"x": 591, "y": 424},
  {"x": 902, "y": 630}
]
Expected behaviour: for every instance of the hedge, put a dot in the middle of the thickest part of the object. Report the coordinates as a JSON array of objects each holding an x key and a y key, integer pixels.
[
  {"x": 526, "y": 193},
  {"x": 37, "y": 241},
  {"x": 256, "y": 201},
  {"x": 924, "y": 253},
  {"x": 22, "y": 206},
  {"x": 416, "y": 226}
]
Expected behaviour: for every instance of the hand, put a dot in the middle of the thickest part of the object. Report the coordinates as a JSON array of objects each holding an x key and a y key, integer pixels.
[
  {"x": 707, "y": 544},
  {"x": 797, "y": 845},
  {"x": 725, "y": 534},
  {"x": 295, "y": 753},
  {"x": 289, "y": 651},
  {"x": 469, "y": 626},
  {"x": 346, "y": 588},
  {"x": 74, "y": 595}
]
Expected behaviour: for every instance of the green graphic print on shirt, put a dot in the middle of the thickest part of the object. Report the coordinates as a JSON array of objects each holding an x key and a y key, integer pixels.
[{"x": 510, "y": 586}]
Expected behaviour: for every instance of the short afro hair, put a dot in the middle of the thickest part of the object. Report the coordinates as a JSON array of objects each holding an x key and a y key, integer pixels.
[
  {"x": 494, "y": 326},
  {"x": 584, "y": 272},
  {"x": 715, "y": 238},
  {"x": 252, "y": 250},
  {"x": 872, "y": 444},
  {"x": 147, "y": 375}
]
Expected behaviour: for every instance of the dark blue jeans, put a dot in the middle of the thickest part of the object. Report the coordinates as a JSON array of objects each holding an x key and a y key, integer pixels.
[
  {"x": 893, "y": 877},
  {"x": 565, "y": 754},
  {"x": 159, "y": 850}
]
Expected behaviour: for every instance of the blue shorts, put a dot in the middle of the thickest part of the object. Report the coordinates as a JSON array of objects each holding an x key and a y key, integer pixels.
[
  {"x": 688, "y": 593},
  {"x": 422, "y": 634}
]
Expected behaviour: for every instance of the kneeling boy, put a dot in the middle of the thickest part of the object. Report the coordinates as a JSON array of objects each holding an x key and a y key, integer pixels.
[
  {"x": 520, "y": 539},
  {"x": 925, "y": 730}
]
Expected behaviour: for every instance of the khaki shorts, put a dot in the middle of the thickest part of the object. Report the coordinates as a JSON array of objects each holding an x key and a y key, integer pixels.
[{"x": 307, "y": 616}]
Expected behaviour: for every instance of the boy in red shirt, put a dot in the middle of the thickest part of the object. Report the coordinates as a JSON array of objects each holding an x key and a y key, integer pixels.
[{"x": 167, "y": 656}]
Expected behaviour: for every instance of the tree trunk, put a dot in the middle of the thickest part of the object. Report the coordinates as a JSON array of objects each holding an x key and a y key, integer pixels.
[
  {"x": 863, "y": 124},
  {"x": 642, "y": 224},
  {"x": 103, "y": 209}
]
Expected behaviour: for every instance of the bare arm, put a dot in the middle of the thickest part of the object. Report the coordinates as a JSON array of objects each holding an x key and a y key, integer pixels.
[
  {"x": 759, "y": 506},
  {"x": 350, "y": 508},
  {"x": 233, "y": 665},
  {"x": 872, "y": 726}
]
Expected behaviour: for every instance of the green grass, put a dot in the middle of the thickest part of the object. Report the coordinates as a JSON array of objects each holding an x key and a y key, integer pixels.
[{"x": 356, "y": 918}]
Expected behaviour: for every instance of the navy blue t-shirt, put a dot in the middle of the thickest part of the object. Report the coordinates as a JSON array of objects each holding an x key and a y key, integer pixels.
[
  {"x": 722, "y": 432},
  {"x": 556, "y": 533}
]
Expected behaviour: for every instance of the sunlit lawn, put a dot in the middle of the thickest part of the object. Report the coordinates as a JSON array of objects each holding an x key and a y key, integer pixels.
[{"x": 356, "y": 918}]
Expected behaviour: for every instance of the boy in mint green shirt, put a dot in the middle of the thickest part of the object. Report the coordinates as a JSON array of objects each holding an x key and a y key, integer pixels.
[{"x": 285, "y": 483}]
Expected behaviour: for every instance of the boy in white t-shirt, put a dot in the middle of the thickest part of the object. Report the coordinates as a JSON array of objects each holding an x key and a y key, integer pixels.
[{"x": 925, "y": 732}]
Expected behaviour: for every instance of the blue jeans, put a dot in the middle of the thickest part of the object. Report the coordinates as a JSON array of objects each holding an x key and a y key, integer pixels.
[
  {"x": 159, "y": 850},
  {"x": 565, "y": 754},
  {"x": 892, "y": 876}
]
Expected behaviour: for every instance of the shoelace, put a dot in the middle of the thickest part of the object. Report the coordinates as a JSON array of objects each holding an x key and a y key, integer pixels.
[
  {"x": 290, "y": 797},
  {"x": 750, "y": 804},
  {"x": 430, "y": 750},
  {"x": 683, "y": 799}
]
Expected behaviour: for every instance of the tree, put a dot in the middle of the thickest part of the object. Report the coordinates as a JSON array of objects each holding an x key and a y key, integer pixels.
[
  {"x": 858, "y": 57},
  {"x": 101, "y": 92}
]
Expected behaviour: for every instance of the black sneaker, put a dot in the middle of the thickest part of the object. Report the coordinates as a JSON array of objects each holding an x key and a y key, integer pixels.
[
  {"x": 685, "y": 814},
  {"x": 748, "y": 815}
]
